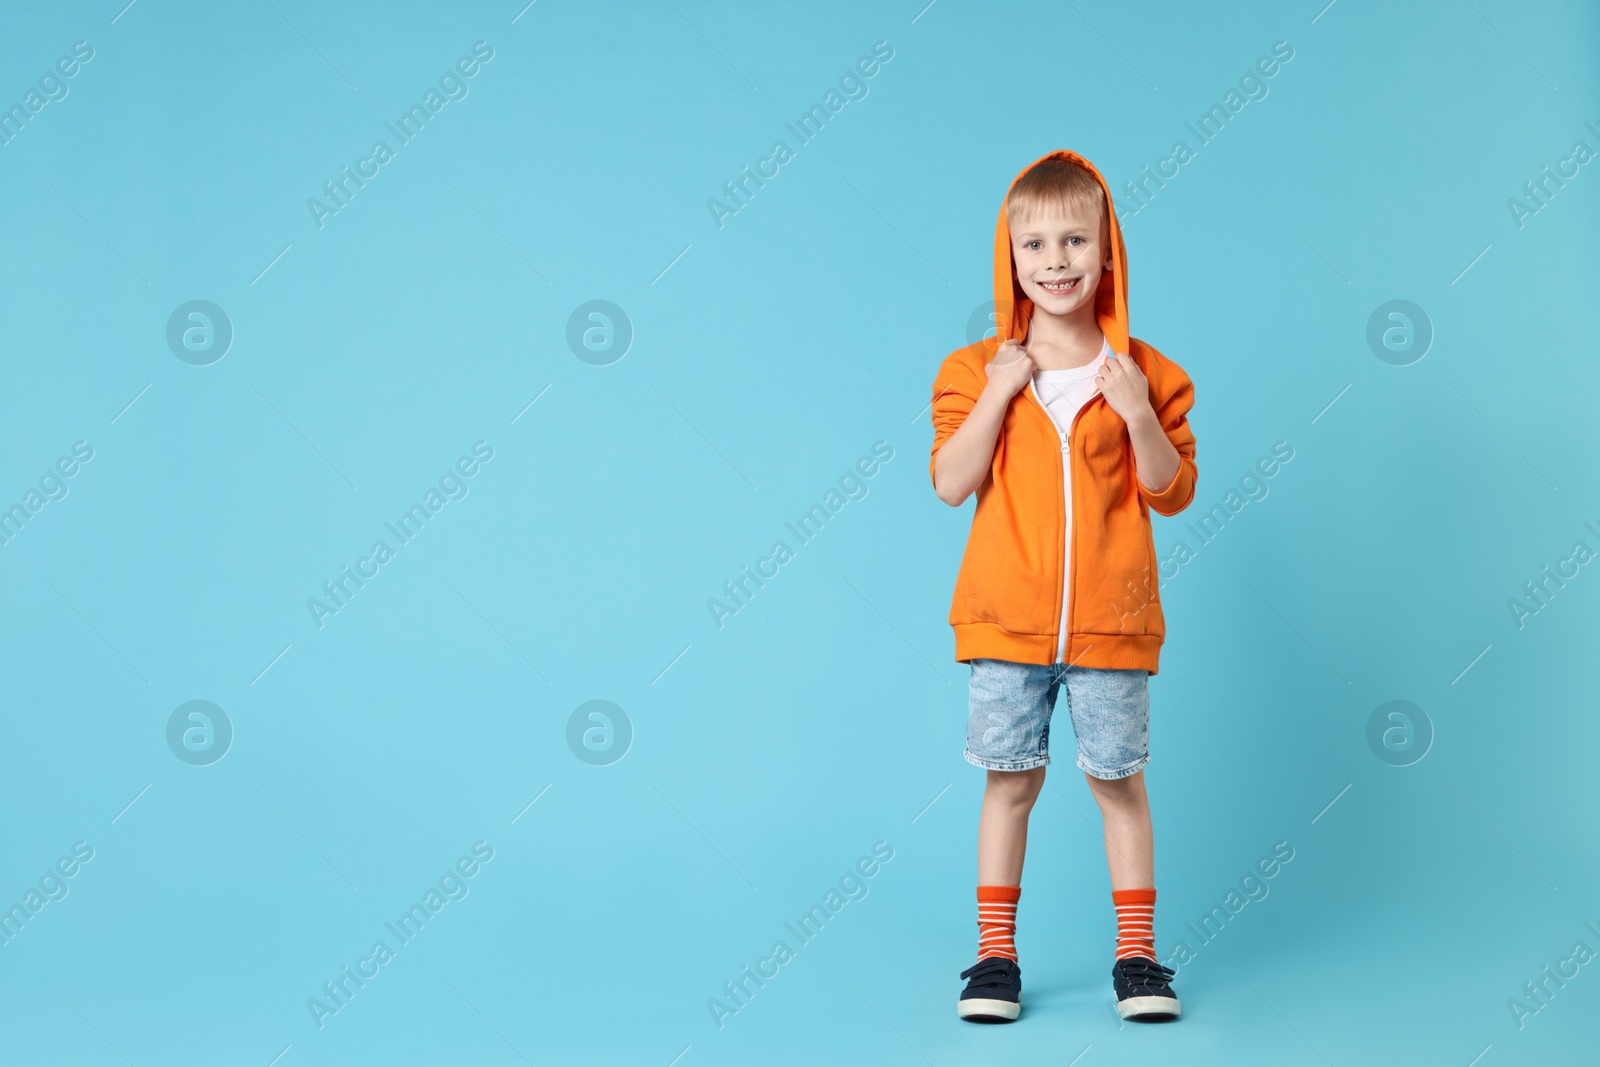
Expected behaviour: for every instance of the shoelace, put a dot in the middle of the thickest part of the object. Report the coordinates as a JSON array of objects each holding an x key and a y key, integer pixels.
[
  {"x": 1142, "y": 972},
  {"x": 989, "y": 971}
]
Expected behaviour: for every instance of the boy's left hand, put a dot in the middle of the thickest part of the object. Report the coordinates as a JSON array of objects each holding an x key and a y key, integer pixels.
[{"x": 1125, "y": 388}]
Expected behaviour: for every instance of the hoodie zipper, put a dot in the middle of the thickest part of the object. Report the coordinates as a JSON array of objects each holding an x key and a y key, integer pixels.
[{"x": 1066, "y": 491}]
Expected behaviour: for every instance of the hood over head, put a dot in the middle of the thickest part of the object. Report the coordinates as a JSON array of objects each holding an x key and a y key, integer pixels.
[{"x": 1110, "y": 298}]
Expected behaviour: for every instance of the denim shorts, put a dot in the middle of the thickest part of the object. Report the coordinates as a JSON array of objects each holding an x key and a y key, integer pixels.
[{"x": 1009, "y": 707}]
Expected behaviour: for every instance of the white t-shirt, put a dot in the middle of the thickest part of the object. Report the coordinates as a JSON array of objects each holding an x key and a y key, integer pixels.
[{"x": 1063, "y": 393}]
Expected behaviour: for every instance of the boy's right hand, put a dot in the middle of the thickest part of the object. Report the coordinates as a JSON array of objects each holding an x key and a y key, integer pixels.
[{"x": 1010, "y": 370}]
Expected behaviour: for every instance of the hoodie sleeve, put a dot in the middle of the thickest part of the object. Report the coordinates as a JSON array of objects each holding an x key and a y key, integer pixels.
[
  {"x": 955, "y": 392},
  {"x": 1172, "y": 410}
]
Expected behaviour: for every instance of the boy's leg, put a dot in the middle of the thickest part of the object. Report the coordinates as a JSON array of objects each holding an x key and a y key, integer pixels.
[
  {"x": 1130, "y": 847},
  {"x": 1008, "y": 798},
  {"x": 1138, "y": 978},
  {"x": 1111, "y": 716},
  {"x": 1130, "y": 857},
  {"x": 1008, "y": 729}
]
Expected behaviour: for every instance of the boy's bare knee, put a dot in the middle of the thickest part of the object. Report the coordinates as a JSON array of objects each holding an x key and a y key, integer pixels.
[
  {"x": 1128, "y": 790},
  {"x": 1020, "y": 788}
]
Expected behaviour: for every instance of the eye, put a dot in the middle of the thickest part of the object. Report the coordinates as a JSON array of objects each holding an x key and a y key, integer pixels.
[
  {"x": 1031, "y": 243},
  {"x": 1079, "y": 239}
]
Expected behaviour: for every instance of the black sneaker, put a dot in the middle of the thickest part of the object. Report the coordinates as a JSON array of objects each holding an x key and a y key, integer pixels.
[
  {"x": 994, "y": 991},
  {"x": 1142, "y": 991}
]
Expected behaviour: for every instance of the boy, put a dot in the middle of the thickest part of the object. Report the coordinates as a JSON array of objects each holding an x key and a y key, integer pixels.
[{"x": 1069, "y": 430}]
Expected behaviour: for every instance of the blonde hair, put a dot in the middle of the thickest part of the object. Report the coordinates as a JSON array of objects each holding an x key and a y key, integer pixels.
[{"x": 1058, "y": 183}]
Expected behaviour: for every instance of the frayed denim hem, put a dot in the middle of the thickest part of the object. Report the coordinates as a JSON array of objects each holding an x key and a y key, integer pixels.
[
  {"x": 1005, "y": 765},
  {"x": 1111, "y": 776}
]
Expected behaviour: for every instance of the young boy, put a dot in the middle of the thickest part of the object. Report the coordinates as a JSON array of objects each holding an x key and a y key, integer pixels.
[{"x": 1070, "y": 431}]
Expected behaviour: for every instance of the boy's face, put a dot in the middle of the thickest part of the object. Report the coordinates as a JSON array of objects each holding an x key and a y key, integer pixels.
[{"x": 1059, "y": 256}]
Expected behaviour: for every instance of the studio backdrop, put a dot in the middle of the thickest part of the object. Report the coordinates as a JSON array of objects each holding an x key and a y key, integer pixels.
[{"x": 475, "y": 593}]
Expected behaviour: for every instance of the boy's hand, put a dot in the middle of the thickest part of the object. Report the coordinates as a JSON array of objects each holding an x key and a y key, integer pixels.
[
  {"x": 1125, "y": 388},
  {"x": 1010, "y": 370}
]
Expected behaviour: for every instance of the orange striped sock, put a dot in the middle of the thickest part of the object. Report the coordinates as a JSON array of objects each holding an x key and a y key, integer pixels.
[
  {"x": 1136, "y": 913},
  {"x": 997, "y": 920}
]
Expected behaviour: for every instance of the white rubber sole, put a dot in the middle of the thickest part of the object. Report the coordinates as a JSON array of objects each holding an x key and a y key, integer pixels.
[
  {"x": 978, "y": 1008},
  {"x": 1149, "y": 1006}
]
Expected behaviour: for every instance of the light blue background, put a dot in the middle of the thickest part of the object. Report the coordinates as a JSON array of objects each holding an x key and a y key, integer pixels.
[{"x": 770, "y": 754}]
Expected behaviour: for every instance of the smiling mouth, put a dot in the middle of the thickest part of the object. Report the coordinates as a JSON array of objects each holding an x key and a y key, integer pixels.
[{"x": 1067, "y": 286}]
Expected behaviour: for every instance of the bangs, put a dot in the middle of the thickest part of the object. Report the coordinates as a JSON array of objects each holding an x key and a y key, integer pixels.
[{"x": 1057, "y": 184}]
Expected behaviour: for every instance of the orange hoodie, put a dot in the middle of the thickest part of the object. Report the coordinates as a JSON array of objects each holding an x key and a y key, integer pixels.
[{"x": 1011, "y": 601}]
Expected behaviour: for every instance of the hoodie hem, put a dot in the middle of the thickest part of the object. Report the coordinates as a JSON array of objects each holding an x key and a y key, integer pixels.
[{"x": 987, "y": 640}]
